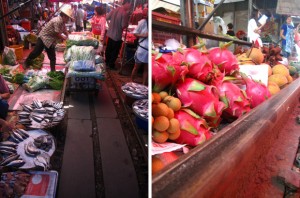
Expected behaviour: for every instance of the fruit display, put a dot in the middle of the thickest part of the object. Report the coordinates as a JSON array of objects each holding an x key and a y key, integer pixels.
[
  {"x": 165, "y": 126},
  {"x": 196, "y": 92}
]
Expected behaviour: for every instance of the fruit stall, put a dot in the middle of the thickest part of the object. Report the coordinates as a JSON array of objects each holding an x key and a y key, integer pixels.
[{"x": 223, "y": 124}]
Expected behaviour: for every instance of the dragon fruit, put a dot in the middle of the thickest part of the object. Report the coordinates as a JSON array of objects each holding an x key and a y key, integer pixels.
[
  {"x": 200, "y": 67},
  {"x": 235, "y": 99},
  {"x": 202, "y": 99},
  {"x": 225, "y": 59},
  {"x": 166, "y": 70},
  {"x": 256, "y": 91},
  {"x": 193, "y": 129}
]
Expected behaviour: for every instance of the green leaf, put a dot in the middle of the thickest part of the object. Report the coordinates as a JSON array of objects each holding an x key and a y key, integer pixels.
[
  {"x": 187, "y": 126},
  {"x": 171, "y": 69},
  {"x": 196, "y": 86},
  {"x": 225, "y": 100},
  {"x": 210, "y": 111},
  {"x": 158, "y": 56},
  {"x": 192, "y": 113}
]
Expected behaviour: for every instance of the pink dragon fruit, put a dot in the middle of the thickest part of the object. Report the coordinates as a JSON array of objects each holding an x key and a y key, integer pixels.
[
  {"x": 200, "y": 67},
  {"x": 235, "y": 99},
  {"x": 225, "y": 59},
  {"x": 256, "y": 91},
  {"x": 193, "y": 129},
  {"x": 202, "y": 99},
  {"x": 167, "y": 70}
]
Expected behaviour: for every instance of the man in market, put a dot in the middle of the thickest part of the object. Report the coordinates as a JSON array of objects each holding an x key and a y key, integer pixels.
[
  {"x": 79, "y": 18},
  {"x": 4, "y": 95},
  {"x": 118, "y": 20},
  {"x": 52, "y": 32}
]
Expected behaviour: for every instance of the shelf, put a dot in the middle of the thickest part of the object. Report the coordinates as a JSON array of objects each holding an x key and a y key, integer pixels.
[{"x": 167, "y": 27}]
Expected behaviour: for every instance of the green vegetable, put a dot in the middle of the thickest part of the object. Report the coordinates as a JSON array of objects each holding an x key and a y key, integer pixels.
[
  {"x": 56, "y": 75},
  {"x": 56, "y": 84},
  {"x": 87, "y": 42},
  {"x": 18, "y": 78},
  {"x": 4, "y": 71}
]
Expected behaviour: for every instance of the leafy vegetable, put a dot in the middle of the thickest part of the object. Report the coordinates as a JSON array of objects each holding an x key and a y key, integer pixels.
[
  {"x": 56, "y": 84},
  {"x": 4, "y": 71},
  {"x": 18, "y": 78}
]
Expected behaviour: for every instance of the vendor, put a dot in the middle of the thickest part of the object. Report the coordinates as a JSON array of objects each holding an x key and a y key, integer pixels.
[
  {"x": 4, "y": 96},
  {"x": 49, "y": 35},
  {"x": 141, "y": 55}
]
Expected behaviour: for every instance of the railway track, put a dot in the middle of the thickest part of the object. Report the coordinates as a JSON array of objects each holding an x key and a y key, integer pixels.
[{"x": 133, "y": 135}]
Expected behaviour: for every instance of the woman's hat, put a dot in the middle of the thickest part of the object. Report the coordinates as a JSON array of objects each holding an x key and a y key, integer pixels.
[{"x": 67, "y": 11}]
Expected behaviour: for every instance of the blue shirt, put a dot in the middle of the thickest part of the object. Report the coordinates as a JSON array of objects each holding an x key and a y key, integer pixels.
[{"x": 284, "y": 28}]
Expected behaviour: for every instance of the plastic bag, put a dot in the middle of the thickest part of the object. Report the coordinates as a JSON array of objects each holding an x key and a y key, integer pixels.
[
  {"x": 9, "y": 56},
  {"x": 83, "y": 65},
  {"x": 76, "y": 53},
  {"x": 36, "y": 83}
]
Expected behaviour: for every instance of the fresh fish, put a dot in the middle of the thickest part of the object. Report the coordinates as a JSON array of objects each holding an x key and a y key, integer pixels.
[
  {"x": 6, "y": 152},
  {"x": 18, "y": 136},
  {"x": 8, "y": 143},
  {"x": 31, "y": 150},
  {"x": 40, "y": 110},
  {"x": 42, "y": 160},
  {"x": 37, "y": 103},
  {"x": 27, "y": 108},
  {"x": 9, "y": 159},
  {"x": 25, "y": 113},
  {"x": 50, "y": 109},
  {"x": 23, "y": 133},
  {"x": 37, "y": 118},
  {"x": 14, "y": 138},
  {"x": 7, "y": 148},
  {"x": 16, "y": 163}
]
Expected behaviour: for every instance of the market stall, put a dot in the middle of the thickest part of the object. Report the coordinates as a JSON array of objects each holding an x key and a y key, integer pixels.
[{"x": 210, "y": 142}]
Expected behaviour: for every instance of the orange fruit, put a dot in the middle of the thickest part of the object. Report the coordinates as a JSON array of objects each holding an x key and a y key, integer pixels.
[
  {"x": 170, "y": 113},
  {"x": 161, "y": 109},
  {"x": 163, "y": 94},
  {"x": 160, "y": 137},
  {"x": 152, "y": 119},
  {"x": 161, "y": 123},
  {"x": 174, "y": 136},
  {"x": 156, "y": 98},
  {"x": 174, "y": 104},
  {"x": 167, "y": 99},
  {"x": 157, "y": 165},
  {"x": 174, "y": 126}
]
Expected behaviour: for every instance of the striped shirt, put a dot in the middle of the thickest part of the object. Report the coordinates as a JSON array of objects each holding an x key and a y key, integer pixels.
[{"x": 48, "y": 33}]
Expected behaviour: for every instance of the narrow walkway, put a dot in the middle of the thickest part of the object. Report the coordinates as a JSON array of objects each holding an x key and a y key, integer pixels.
[
  {"x": 77, "y": 177},
  {"x": 95, "y": 150}
]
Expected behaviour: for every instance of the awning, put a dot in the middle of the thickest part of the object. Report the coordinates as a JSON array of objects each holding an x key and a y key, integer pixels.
[{"x": 164, "y": 4}]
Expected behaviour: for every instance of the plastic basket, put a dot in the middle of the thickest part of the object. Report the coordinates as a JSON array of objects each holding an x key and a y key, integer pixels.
[{"x": 18, "y": 51}]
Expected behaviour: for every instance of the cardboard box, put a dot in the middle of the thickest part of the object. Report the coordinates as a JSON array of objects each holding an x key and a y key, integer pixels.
[{"x": 209, "y": 27}]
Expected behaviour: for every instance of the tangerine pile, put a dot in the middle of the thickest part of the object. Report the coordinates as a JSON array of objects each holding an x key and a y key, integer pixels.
[{"x": 164, "y": 125}]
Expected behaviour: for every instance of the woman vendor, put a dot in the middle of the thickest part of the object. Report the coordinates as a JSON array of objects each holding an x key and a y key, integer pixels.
[{"x": 4, "y": 95}]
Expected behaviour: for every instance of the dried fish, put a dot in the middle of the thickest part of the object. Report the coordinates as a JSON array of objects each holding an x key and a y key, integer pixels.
[
  {"x": 18, "y": 136},
  {"x": 37, "y": 103},
  {"x": 6, "y": 152},
  {"x": 42, "y": 160}
]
